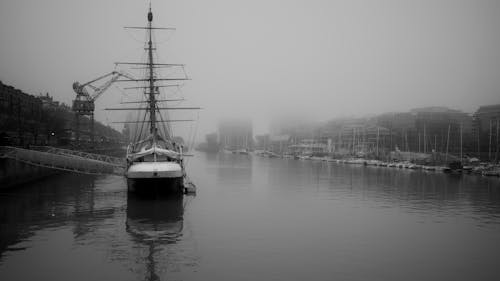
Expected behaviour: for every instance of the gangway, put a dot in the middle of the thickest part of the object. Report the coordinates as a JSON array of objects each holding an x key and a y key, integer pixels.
[{"x": 66, "y": 160}]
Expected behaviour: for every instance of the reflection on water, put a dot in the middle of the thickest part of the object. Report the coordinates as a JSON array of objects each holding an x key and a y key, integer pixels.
[
  {"x": 416, "y": 191},
  {"x": 142, "y": 237},
  {"x": 234, "y": 168},
  {"x": 49, "y": 203},
  {"x": 153, "y": 223},
  {"x": 157, "y": 219}
]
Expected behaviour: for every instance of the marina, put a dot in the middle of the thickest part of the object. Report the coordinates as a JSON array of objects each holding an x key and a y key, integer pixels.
[{"x": 484, "y": 169}]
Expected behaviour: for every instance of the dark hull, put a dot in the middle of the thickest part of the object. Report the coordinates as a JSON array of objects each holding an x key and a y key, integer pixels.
[{"x": 156, "y": 186}]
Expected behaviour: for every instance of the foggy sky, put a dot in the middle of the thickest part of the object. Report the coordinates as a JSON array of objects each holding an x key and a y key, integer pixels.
[{"x": 266, "y": 58}]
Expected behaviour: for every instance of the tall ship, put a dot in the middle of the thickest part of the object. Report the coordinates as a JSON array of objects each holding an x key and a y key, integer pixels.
[{"x": 155, "y": 161}]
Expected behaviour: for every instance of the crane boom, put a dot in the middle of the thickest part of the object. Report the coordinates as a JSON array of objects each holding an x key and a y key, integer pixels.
[
  {"x": 80, "y": 89},
  {"x": 87, "y": 93}
]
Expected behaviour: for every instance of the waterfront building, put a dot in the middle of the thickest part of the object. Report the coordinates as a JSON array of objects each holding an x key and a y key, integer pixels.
[
  {"x": 356, "y": 137},
  {"x": 48, "y": 101},
  {"x": 279, "y": 144},
  {"x": 486, "y": 132},
  {"x": 211, "y": 143},
  {"x": 262, "y": 142},
  {"x": 309, "y": 147},
  {"x": 401, "y": 131},
  {"x": 443, "y": 130},
  {"x": 429, "y": 129},
  {"x": 20, "y": 116},
  {"x": 235, "y": 134},
  {"x": 421, "y": 130},
  {"x": 40, "y": 120}
]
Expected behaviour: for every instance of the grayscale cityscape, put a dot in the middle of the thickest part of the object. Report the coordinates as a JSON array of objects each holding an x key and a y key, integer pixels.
[{"x": 250, "y": 140}]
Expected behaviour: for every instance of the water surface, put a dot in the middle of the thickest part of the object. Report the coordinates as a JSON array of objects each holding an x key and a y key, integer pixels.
[{"x": 256, "y": 219}]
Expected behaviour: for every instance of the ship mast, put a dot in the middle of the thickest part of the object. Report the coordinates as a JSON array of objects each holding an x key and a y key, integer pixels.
[
  {"x": 150, "y": 89},
  {"x": 152, "y": 101}
]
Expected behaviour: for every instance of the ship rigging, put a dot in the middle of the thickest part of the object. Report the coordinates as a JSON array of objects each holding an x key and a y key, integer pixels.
[{"x": 155, "y": 162}]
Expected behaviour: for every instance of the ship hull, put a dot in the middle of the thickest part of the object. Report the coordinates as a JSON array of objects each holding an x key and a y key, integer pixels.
[
  {"x": 155, "y": 178},
  {"x": 156, "y": 186}
]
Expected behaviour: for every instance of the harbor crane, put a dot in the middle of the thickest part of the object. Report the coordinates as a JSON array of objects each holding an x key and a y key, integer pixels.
[{"x": 87, "y": 94}]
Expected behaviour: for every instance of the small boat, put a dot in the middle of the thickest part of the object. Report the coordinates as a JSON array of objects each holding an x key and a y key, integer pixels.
[
  {"x": 372, "y": 163},
  {"x": 455, "y": 167},
  {"x": 491, "y": 172},
  {"x": 242, "y": 151},
  {"x": 429, "y": 168},
  {"x": 467, "y": 169},
  {"x": 356, "y": 161},
  {"x": 443, "y": 169}
]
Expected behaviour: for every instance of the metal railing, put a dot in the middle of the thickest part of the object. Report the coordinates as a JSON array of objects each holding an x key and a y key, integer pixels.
[{"x": 65, "y": 159}]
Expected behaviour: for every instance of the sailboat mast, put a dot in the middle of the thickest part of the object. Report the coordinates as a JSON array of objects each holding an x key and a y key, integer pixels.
[
  {"x": 152, "y": 101},
  {"x": 378, "y": 136},
  {"x": 425, "y": 142},
  {"x": 447, "y": 142}
]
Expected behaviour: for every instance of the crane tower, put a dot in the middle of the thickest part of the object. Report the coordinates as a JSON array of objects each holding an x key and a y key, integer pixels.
[{"x": 87, "y": 94}]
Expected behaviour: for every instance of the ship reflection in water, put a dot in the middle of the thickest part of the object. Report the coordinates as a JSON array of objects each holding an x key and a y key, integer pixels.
[
  {"x": 89, "y": 228},
  {"x": 153, "y": 223}
]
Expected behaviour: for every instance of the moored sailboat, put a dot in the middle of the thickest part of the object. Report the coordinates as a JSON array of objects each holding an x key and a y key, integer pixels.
[{"x": 155, "y": 162}]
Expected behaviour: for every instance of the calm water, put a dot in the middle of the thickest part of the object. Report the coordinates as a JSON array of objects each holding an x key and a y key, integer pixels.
[{"x": 256, "y": 219}]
